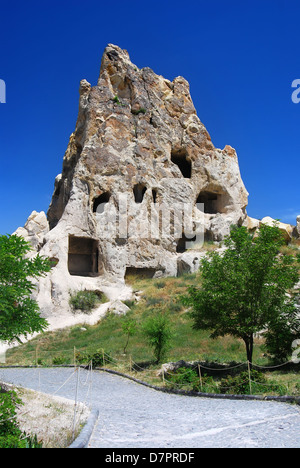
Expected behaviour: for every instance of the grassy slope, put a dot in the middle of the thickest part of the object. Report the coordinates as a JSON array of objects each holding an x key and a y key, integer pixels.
[{"x": 157, "y": 294}]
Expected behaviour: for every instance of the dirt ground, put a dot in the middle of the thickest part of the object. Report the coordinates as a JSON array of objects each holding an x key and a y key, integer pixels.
[{"x": 51, "y": 418}]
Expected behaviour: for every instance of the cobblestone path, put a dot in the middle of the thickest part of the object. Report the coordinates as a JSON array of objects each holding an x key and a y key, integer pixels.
[{"x": 133, "y": 415}]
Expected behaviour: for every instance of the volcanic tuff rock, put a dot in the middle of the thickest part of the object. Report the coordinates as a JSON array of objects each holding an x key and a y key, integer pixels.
[{"x": 138, "y": 145}]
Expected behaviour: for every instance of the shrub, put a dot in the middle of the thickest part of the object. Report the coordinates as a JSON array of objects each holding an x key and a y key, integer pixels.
[
  {"x": 240, "y": 385},
  {"x": 183, "y": 376},
  {"x": 98, "y": 358},
  {"x": 59, "y": 360},
  {"x": 158, "y": 332},
  {"x": 8, "y": 414},
  {"x": 20, "y": 441},
  {"x": 190, "y": 378},
  {"x": 10, "y": 434},
  {"x": 85, "y": 300}
]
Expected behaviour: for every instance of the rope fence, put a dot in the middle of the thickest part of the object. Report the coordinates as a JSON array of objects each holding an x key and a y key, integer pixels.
[
  {"x": 78, "y": 385},
  {"x": 128, "y": 365},
  {"x": 199, "y": 367},
  {"x": 81, "y": 377}
]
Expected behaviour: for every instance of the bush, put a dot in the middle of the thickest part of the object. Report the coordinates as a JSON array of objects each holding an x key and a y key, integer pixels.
[
  {"x": 158, "y": 332},
  {"x": 21, "y": 441},
  {"x": 10, "y": 434},
  {"x": 11, "y": 441},
  {"x": 60, "y": 360},
  {"x": 182, "y": 377},
  {"x": 8, "y": 413},
  {"x": 190, "y": 378},
  {"x": 240, "y": 385},
  {"x": 98, "y": 358},
  {"x": 85, "y": 300}
]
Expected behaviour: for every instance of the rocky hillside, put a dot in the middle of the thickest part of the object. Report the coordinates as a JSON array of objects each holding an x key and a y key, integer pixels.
[{"x": 141, "y": 182}]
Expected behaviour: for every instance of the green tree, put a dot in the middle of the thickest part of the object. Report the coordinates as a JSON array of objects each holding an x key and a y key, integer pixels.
[
  {"x": 158, "y": 332},
  {"x": 246, "y": 289},
  {"x": 19, "y": 313},
  {"x": 129, "y": 327}
]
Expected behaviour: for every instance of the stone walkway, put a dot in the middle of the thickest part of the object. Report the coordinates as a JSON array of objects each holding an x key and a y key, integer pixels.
[{"x": 134, "y": 416}]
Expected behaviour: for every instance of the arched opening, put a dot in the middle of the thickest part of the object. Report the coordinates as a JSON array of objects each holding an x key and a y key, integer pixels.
[
  {"x": 180, "y": 159},
  {"x": 139, "y": 191},
  {"x": 211, "y": 202},
  {"x": 100, "y": 202}
]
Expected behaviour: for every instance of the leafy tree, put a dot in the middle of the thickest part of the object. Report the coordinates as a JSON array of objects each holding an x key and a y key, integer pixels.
[
  {"x": 246, "y": 289},
  {"x": 19, "y": 313},
  {"x": 282, "y": 333},
  {"x": 158, "y": 332},
  {"x": 129, "y": 327}
]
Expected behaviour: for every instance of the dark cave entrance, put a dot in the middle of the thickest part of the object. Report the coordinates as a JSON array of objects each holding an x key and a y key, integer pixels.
[
  {"x": 180, "y": 159},
  {"x": 100, "y": 202},
  {"x": 83, "y": 256},
  {"x": 139, "y": 191},
  {"x": 154, "y": 195},
  {"x": 211, "y": 201}
]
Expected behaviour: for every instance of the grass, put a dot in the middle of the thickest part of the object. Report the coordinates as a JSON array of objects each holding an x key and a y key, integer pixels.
[{"x": 162, "y": 295}]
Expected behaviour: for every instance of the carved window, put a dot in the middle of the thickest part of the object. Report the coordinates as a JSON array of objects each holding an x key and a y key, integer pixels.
[
  {"x": 83, "y": 256},
  {"x": 211, "y": 201}
]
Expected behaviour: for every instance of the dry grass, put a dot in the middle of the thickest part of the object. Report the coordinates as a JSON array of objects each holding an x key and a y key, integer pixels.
[{"x": 50, "y": 418}]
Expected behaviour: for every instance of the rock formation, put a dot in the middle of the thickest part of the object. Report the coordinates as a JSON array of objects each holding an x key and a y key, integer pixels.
[
  {"x": 288, "y": 231},
  {"x": 138, "y": 150}
]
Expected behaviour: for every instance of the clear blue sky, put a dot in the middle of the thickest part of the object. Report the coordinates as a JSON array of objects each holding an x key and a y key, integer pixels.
[{"x": 240, "y": 58}]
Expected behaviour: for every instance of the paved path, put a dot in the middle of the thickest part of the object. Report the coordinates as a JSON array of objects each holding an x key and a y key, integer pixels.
[{"x": 132, "y": 415}]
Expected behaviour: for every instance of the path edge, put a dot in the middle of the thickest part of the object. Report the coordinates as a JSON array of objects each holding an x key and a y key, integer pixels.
[{"x": 84, "y": 437}]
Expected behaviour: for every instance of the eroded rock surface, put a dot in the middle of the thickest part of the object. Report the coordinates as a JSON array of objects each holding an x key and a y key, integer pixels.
[{"x": 139, "y": 149}]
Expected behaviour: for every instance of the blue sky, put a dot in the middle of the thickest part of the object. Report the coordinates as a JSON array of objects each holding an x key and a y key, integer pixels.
[{"x": 240, "y": 58}]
